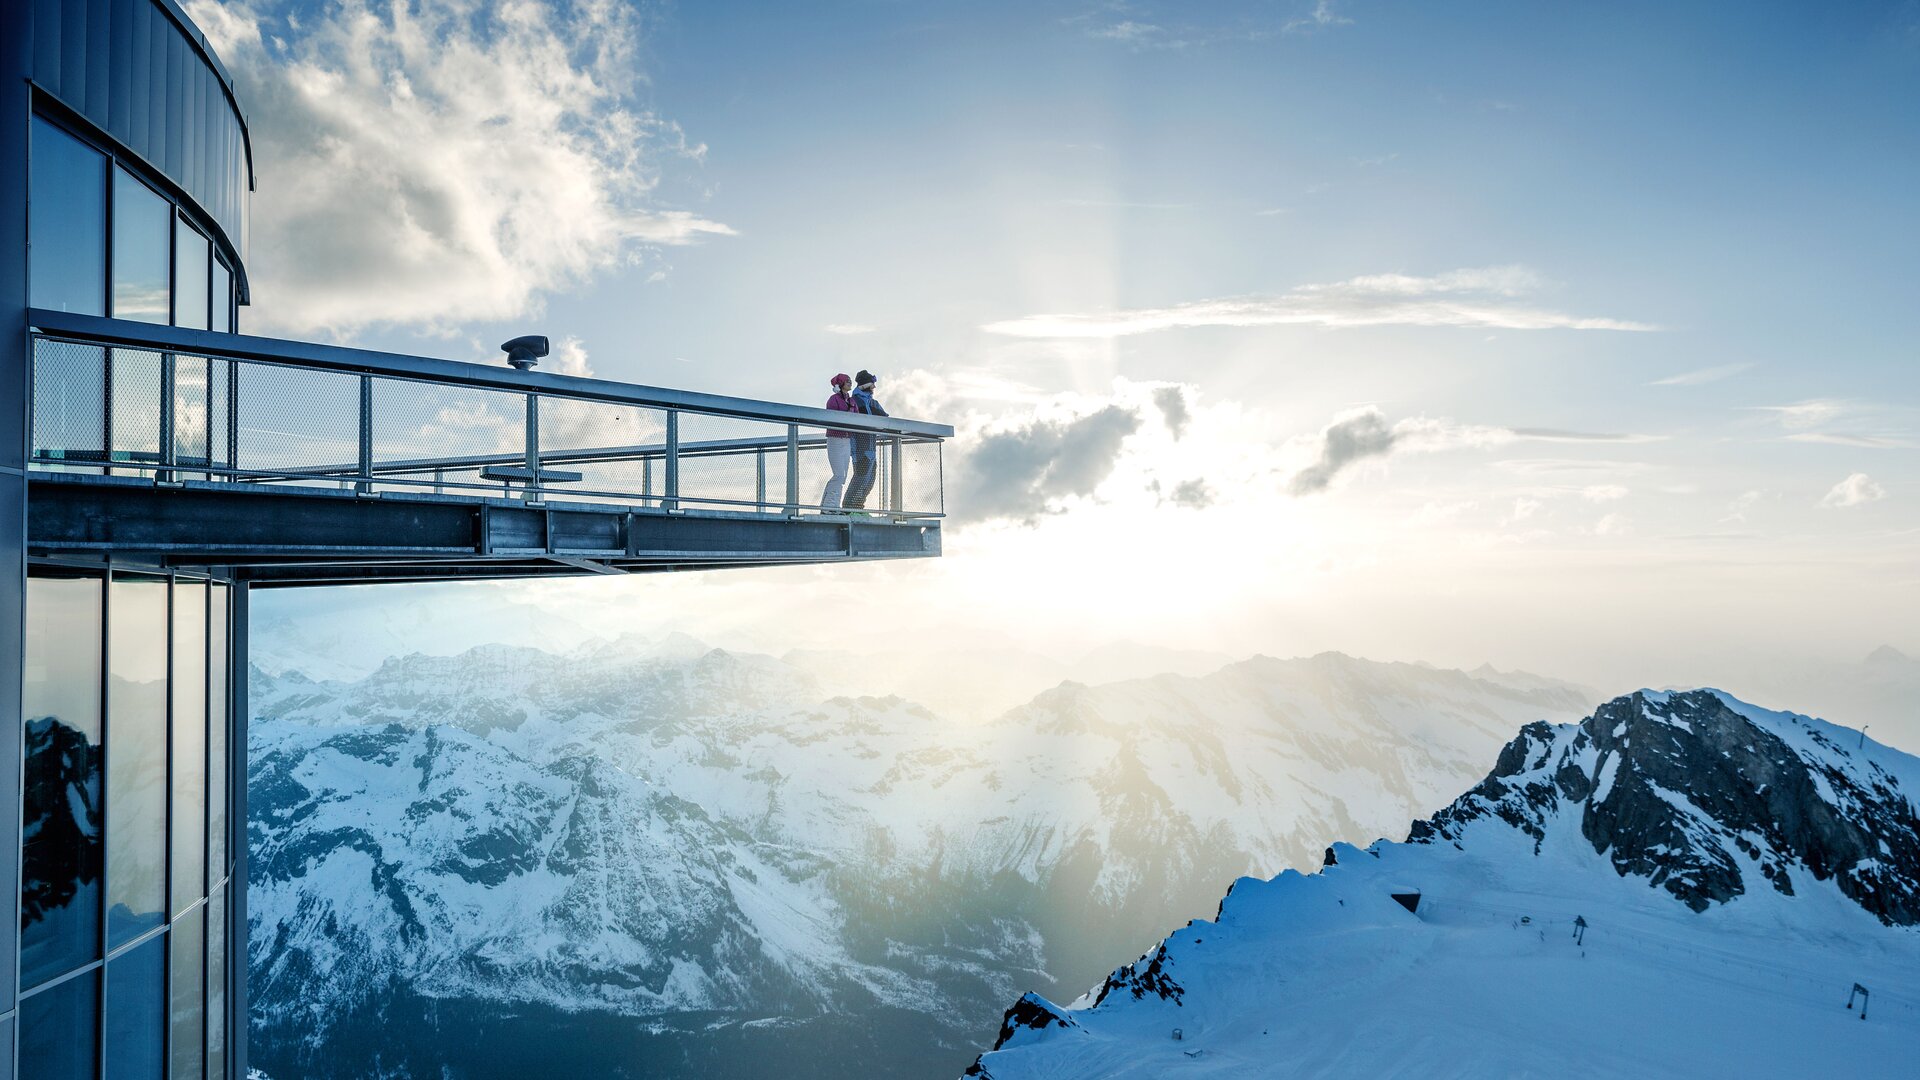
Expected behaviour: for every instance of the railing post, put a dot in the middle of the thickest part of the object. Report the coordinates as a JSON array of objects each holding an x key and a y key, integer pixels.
[
  {"x": 793, "y": 468},
  {"x": 166, "y": 417},
  {"x": 760, "y": 481},
  {"x": 673, "y": 460},
  {"x": 365, "y": 486},
  {"x": 896, "y": 483},
  {"x": 233, "y": 419},
  {"x": 106, "y": 398},
  {"x": 533, "y": 448}
]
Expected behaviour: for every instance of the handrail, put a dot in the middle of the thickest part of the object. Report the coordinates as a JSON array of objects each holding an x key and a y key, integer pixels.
[
  {"x": 99, "y": 330},
  {"x": 205, "y": 422}
]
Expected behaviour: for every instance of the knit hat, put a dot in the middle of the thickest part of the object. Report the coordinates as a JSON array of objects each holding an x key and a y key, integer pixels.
[
  {"x": 840, "y": 379},
  {"x": 865, "y": 378}
]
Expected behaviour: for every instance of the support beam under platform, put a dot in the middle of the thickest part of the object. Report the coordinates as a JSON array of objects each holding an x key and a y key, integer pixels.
[{"x": 285, "y": 535}]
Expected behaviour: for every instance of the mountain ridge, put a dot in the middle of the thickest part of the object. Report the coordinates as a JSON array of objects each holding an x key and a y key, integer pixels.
[{"x": 1788, "y": 855}]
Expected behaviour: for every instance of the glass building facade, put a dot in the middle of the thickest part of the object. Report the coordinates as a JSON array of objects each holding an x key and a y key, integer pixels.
[
  {"x": 123, "y": 193},
  {"x": 123, "y": 881}
]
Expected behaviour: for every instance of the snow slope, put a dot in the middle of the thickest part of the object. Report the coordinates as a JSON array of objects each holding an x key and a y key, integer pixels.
[
  {"x": 1738, "y": 870},
  {"x": 706, "y": 847}
]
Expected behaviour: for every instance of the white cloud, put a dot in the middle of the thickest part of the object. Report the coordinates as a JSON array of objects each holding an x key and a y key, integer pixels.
[
  {"x": 1806, "y": 414},
  {"x": 1359, "y": 434},
  {"x": 442, "y": 160},
  {"x": 1322, "y": 16},
  {"x": 1856, "y": 490},
  {"x": 1611, "y": 525},
  {"x": 1126, "y": 30},
  {"x": 1745, "y": 501},
  {"x": 569, "y": 359},
  {"x": 849, "y": 329},
  {"x": 1702, "y": 376},
  {"x": 1480, "y": 297},
  {"x": 1604, "y": 492},
  {"x": 1841, "y": 438},
  {"x": 1523, "y": 508}
]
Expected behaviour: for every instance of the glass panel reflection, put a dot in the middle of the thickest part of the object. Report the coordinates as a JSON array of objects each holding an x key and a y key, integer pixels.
[
  {"x": 60, "y": 830},
  {"x": 67, "y": 223},
  {"x": 222, "y": 298},
  {"x": 218, "y": 719},
  {"x": 137, "y": 768},
  {"x": 217, "y": 985},
  {"x": 188, "y": 1030},
  {"x": 189, "y": 743},
  {"x": 137, "y": 1013},
  {"x": 140, "y": 220},
  {"x": 58, "y": 1040},
  {"x": 190, "y": 259}
]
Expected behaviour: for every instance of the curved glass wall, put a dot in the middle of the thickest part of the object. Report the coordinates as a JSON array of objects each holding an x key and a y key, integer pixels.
[
  {"x": 153, "y": 264},
  {"x": 124, "y": 913}
]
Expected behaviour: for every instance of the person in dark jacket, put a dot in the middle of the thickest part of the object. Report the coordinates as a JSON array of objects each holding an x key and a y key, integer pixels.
[{"x": 866, "y": 457}]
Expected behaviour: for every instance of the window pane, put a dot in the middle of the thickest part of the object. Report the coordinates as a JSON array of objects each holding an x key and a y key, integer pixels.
[
  {"x": 137, "y": 768},
  {"x": 217, "y": 736},
  {"x": 189, "y": 277},
  {"x": 189, "y": 743},
  {"x": 140, "y": 220},
  {"x": 217, "y": 985},
  {"x": 60, "y": 857},
  {"x": 136, "y": 1013},
  {"x": 222, "y": 298},
  {"x": 67, "y": 223},
  {"x": 58, "y": 1040},
  {"x": 189, "y": 1033}
]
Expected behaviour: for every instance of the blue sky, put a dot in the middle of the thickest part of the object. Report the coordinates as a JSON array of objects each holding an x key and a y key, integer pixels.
[{"x": 1371, "y": 226}]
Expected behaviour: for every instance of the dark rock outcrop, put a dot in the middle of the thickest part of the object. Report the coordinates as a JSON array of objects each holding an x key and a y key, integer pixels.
[{"x": 1687, "y": 792}]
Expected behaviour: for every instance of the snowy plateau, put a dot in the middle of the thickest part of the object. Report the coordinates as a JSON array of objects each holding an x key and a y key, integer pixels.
[
  {"x": 651, "y": 858},
  {"x": 1681, "y": 885}
]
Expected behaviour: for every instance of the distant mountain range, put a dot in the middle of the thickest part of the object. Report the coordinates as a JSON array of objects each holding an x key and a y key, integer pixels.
[
  {"x": 1680, "y": 885},
  {"x": 650, "y": 858}
]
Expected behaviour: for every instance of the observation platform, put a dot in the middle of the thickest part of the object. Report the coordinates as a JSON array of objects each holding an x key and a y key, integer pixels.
[{"x": 292, "y": 463}]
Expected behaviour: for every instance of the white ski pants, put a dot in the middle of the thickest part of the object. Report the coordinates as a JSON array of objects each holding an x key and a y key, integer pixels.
[{"x": 839, "y": 453}]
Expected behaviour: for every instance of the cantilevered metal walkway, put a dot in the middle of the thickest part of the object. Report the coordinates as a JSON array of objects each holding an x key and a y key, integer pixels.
[{"x": 296, "y": 463}]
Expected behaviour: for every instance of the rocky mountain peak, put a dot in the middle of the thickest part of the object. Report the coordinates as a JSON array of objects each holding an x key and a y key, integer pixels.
[{"x": 1708, "y": 798}]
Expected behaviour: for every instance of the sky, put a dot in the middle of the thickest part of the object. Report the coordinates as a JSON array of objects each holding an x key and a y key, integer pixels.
[{"x": 1580, "y": 339}]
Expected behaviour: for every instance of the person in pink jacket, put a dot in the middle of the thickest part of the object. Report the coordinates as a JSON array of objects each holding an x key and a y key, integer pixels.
[{"x": 839, "y": 445}]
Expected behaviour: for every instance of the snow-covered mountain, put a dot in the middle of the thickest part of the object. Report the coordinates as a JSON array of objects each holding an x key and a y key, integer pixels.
[
  {"x": 1681, "y": 885},
  {"x": 652, "y": 858}
]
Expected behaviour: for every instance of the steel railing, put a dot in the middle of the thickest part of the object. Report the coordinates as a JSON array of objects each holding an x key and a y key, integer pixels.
[{"x": 123, "y": 398}]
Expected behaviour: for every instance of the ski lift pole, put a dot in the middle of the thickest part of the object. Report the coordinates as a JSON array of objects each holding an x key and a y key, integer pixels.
[{"x": 1861, "y": 993}]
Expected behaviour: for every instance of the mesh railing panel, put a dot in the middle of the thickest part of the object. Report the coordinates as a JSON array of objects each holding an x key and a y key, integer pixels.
[
  {"x": 134, "y": 395},
  {"x": 69, "y": 418},
  {"x": 177, "y": 416},
  {"x": 296, "y": 420},
  {"x": 415, "y": 422},
  {"x": 722, "y": 461}
]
